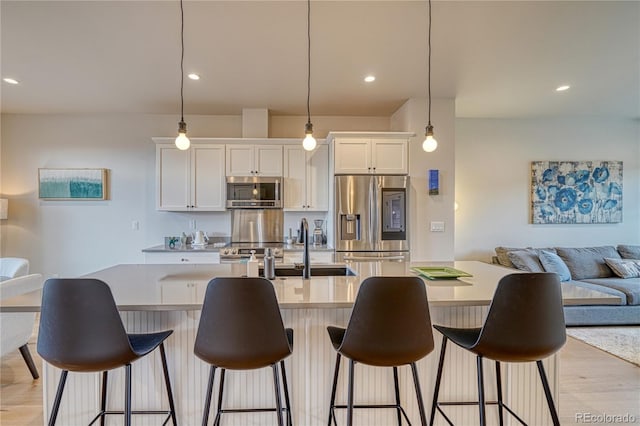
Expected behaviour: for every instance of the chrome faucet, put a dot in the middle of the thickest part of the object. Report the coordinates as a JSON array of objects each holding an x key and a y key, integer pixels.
[{"x": 304, "y": 235}]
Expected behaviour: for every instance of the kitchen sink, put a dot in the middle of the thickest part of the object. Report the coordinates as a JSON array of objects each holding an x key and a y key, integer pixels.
[{"x": 316, "y": 271}]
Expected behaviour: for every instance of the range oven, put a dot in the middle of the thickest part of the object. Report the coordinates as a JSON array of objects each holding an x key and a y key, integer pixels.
[
  {"x": 237, "y": 252},
  {"x": 254, "y": 192}
]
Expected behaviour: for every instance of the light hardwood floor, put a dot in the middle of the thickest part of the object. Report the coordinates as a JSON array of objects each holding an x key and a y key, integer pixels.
[{"x": 591, "y": 382}]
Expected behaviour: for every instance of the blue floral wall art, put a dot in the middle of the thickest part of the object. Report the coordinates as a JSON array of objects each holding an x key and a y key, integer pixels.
[{"x": 576, "y": 192}]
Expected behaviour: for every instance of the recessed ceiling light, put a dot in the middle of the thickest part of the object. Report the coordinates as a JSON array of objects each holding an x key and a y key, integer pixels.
[
  {"x": 194, "y": 76},
  {"x": 562, "y": 88},
  {"x": 10, "y": 80},
  {"x": 370, "y": 78}
]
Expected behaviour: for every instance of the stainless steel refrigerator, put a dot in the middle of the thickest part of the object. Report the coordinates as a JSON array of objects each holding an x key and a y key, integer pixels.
[{"x": 371, "y": 217}]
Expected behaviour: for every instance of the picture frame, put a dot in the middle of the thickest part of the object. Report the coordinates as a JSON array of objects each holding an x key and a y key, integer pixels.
[{"x": 73, "y": 184}]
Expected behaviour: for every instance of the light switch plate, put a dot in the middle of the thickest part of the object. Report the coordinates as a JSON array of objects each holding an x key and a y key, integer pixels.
[{"x": 437, "y": 226}]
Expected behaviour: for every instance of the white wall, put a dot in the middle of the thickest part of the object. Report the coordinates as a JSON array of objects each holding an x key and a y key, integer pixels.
[
  {"x": 425, "y": 208},
  {"x": 493, "y": 164},
  {"x": 71, "y": 238}
]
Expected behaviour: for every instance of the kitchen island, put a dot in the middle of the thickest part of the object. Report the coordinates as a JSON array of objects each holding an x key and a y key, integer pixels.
[{"x": 155, "y": 297}]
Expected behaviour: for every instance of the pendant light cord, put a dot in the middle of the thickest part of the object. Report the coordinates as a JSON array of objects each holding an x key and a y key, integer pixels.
[
  {"x": 429, "y": 63},
  {"x": 181, "y": 62},
  {"x": 308, "y": 60}
]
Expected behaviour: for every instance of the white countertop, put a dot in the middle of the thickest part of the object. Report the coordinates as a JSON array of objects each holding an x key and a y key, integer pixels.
[
  {"x": 161, "y": 248},
  {"x": 181, "y": 287}
]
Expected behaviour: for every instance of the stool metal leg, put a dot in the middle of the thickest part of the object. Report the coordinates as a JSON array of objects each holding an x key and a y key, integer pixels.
[
  {"x": 547, "y": 393},
  {"x": 350, "y": 397},
  {"x": 333, "y": 391},
  {"x": 207, "y": 401},
  {"x": 103, "y": 397},
  {"x": 416, "y": 382},
  {"x": 436, "y": 390},
  {"x": 499, "y": 389},
  {"x": 26, "y": 355},
  {"x": 276, "y": 385},
  {"x": 167, "y": 382},
  {"x": 397, "y": 391},
  {"x": 285, "y": 385},
  {"x": 56, "y": 402},
  {"x": 127, "y": 395},
  {"x": 223, "y": 373},
  {"x": 481, "y": 405}
]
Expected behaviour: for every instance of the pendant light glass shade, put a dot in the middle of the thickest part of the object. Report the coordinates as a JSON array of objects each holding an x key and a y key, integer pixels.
[
  {"x": 182, "y": 141},
  {"x": 309, "y": 142},
  {"x": 430, "y": 144}
]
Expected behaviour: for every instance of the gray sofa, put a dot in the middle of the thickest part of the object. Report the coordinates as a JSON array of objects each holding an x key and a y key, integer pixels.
[{"x": 586, "y": 267}]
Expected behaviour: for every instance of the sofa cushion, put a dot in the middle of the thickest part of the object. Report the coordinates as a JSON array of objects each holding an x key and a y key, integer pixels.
[
  {"x": 551, "y": 262},
  {"x": 588, "y": 262},
  {"x": 503, "y": 257},
  {"x": 502, "y": 254},
  {"x": 525, "y": 260},
  {"x": 628, "y": 251},
  {"x": 630, "y": 287},
  {"x": 624, "y": 268}
]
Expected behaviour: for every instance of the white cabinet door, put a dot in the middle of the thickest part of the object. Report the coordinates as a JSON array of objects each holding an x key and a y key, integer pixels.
[
  {"x": 208, "y": 177},
  {"x": 295, "y": 178},
  {"x": 318, "y": 179},
  {"x": 306, "y": 178},
  {"x": 240, "y": 161},
  {"x": 373, "y": 155},
  {"x": 389, "y": 156},
  {"x": 268, "y": 160},
  {"x": 254, "y": 160},
  {"x": 172, "y": 178},
  {"x": 352, "y": 156},
  {"x": 190, "y": 180}
]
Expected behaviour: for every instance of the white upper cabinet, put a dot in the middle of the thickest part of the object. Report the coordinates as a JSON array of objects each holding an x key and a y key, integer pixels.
[
  {"x": 306, "y": 178},
  {"x": 254, "y": 160},
  {"x": 381, "y": 154},
  {"x": 190, "y": 180}
]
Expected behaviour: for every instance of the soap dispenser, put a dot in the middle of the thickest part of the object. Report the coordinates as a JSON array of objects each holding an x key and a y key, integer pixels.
[{"x": 252, "y": 265}]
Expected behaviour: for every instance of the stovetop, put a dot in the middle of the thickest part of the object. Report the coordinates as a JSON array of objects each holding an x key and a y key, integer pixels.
[{"x": 243, "y": 250}]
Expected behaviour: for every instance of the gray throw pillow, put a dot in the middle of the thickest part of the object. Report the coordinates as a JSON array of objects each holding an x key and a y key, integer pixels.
[
  {"x": 624, "y": 268},
  {"x": 588, "y": 262},
  {"x": 526, "y": 260},
  {"x": 551, "y": 262},
  {"x": 503, "y": 257},
  {"x": 628, "y": 251}
]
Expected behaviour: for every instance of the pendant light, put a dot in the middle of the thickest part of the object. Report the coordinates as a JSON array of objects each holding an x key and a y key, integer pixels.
[
  {"x": 309, "y": 142},
  {"x": 430, "y": 144},
  {"x": 182, "y": 141}
]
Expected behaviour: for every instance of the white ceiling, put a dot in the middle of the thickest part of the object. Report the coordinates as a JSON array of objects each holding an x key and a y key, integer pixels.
[{"x": 497, "y": 59}]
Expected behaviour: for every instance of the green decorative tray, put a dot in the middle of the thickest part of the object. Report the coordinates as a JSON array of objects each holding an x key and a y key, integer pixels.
[{"x": 440, "y": 272}]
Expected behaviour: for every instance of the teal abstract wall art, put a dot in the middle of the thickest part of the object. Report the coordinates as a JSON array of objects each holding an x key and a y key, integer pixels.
[
  {"x": 72, "y": 184},
  {"x": 566, "y": 192}
]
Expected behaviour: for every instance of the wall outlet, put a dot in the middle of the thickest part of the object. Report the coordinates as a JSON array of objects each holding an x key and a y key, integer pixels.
[
  {"x": 192, "y": 224},
  {"x": 135, "y": 225},
  {"x": 437, "y": 226}
]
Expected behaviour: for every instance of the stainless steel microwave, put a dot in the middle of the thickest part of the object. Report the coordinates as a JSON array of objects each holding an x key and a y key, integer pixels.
[{"x": 254, "y": 192}]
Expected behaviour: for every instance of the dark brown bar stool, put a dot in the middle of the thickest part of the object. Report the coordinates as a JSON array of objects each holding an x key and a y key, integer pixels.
[
  {"x": 389, "y": 326},
  {"x": 525, "y": 323},
  {"x": 241, "y": 329},
  {"x": 81, "y": 331}
]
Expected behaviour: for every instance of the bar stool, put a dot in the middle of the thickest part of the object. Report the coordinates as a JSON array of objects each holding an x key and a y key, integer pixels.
[
  {"x": 241, "y": 329},
  {"x": 81, "y": 331},
  {"x": 525, "y": 323},
  {"x": 389, "y": 326}
]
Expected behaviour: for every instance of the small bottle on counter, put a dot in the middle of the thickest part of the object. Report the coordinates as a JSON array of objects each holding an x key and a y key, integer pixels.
[
  {"x": 252, "y": 265},
  {"x": 269, "y": 265}
]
